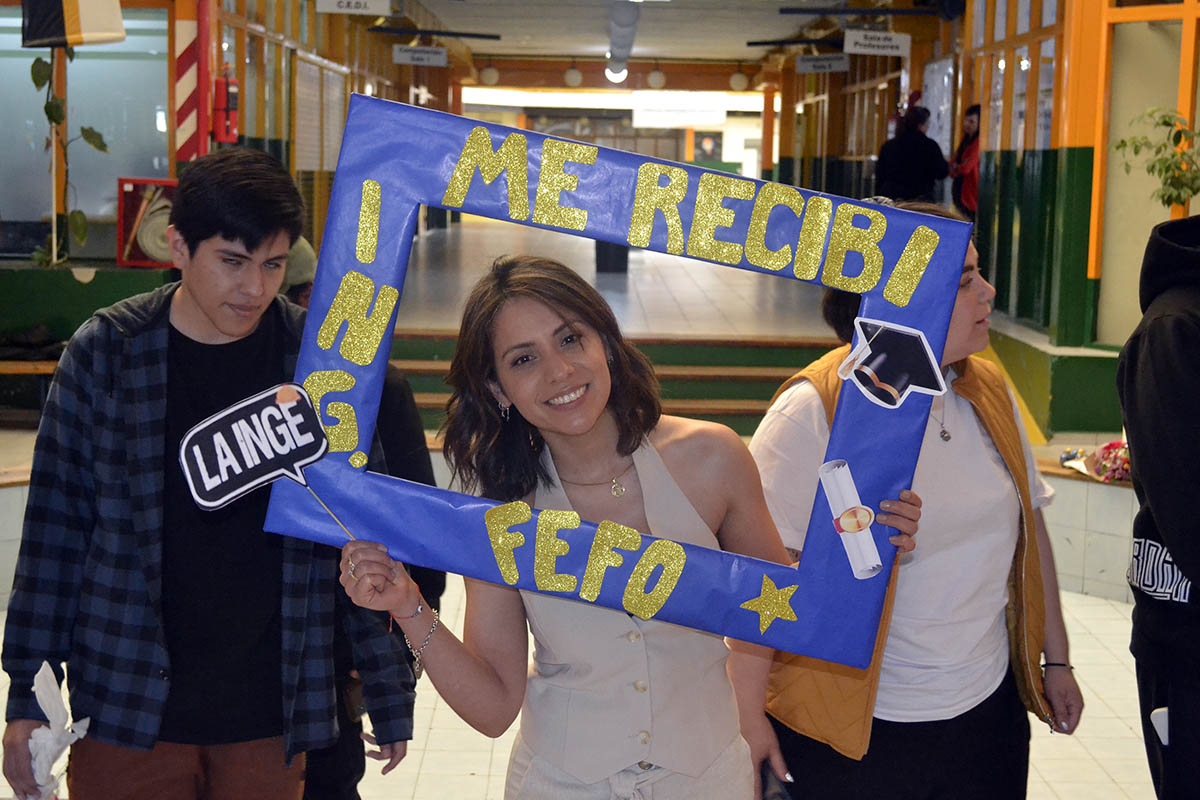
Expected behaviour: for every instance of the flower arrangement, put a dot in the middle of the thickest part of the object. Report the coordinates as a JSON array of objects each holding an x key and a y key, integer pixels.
[{"x": 1111, "y": 462}]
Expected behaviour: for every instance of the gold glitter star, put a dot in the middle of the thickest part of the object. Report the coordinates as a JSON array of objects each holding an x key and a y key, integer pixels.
[{"x": 774, "y": 603}]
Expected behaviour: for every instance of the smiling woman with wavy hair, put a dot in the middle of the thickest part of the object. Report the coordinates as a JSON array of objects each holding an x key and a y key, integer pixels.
[{"x": 551, "y": 405}]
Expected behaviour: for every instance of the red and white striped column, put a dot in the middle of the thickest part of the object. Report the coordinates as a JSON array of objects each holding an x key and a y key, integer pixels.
[{"x": 192, "y": 36}]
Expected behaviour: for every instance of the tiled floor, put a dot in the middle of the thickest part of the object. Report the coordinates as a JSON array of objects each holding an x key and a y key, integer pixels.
[
  {"x": 660, "y": 294},
  {"x": 1104, "y": 760}
]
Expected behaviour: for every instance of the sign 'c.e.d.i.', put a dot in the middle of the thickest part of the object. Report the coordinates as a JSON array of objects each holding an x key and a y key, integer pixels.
[{"x": 269, "y": 435}]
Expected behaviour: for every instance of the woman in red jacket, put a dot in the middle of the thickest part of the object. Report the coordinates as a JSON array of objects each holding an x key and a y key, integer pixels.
[{"x": 964, "y": 167}]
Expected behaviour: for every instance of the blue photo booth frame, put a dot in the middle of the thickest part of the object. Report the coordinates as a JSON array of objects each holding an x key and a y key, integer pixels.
[{"x": 395, "y": 158}]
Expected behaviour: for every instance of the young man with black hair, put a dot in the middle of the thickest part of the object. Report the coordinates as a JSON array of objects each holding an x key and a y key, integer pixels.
[{"x": 199, "y": 645}]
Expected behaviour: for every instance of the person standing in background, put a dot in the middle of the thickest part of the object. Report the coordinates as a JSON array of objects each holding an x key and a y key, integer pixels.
[
  {"x": 964, "y": 167},
  {"x": 334, "y": 772},
  {"x": 1158, "y": 382},
  {"x": 911, "y": 163}
]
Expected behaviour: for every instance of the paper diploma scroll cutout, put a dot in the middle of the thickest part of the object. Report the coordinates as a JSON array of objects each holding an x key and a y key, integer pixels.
[{"x": 851, "y": 519}]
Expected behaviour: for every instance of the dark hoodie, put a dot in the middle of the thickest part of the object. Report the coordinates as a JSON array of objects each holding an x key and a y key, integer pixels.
[{"x": 1158, "y": 378}]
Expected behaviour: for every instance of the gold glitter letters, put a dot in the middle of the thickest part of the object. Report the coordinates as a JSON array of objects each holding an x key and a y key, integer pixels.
[
  {"x": 814, "y": 227},
  {"x": 770, "y": 196},
  {"x": 911, "y": 266},
  {"x": 510, "y": 158},
  {"x": 553, "y": 181},
  {"x": 499, "y": 519},
  {"x": 368, "y": 222},
  {"x": 710, "y": 213},
  {"x": 651, "y": 197},
  {"x": 671, "y": 556},
  {"x": 845, "y": 238},
  {"x": 548, "y": 547},
  {"x": 609, "y": 535},
  {"x": 344, "y": 435},
  {"x": 364, "y": 331}
]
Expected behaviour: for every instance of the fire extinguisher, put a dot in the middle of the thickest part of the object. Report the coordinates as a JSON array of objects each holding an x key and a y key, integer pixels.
[{"x": 225, "y": 107}]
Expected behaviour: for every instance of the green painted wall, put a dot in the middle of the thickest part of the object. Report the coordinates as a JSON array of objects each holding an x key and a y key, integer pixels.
[
  {"x": 30, "y": 295},
  {"x": 1033, "y": 234},
  {"x": 1072, "y": 319},
  {"x": 1063, "y": 392}
]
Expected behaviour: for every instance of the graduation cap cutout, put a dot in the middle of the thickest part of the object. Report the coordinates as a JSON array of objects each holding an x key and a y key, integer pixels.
[{"x": 889, "y": 362}]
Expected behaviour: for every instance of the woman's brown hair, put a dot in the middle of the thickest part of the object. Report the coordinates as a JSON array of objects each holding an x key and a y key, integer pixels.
[
  {"x": 502, "y": 458},
  {"x": 839, "y": 308}
]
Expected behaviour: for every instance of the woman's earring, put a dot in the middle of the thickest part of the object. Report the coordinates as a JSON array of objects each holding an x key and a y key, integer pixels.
[{"x": 504, "y": 411}]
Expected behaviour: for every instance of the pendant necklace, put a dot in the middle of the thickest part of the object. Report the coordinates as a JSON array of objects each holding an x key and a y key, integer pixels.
[
  {"x": 616, "y": 488},
  {"x": 945, "y": 434}
]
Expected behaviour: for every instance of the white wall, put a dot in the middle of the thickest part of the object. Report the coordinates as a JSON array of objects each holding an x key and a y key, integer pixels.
[{"x": 1145, "y": 73}]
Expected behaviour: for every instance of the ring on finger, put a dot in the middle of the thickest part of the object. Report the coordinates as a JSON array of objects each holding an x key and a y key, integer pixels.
[{"x": 351, "y": 570}]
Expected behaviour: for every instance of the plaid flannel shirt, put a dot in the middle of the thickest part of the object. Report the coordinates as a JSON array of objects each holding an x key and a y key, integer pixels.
[{"x": 88, "y": 584}]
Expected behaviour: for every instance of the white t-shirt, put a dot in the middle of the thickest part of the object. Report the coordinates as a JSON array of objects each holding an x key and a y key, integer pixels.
[{"x": 947, "y": 648}]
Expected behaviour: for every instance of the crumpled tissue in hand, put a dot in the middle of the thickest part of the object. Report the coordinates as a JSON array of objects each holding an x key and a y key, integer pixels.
[{"x": 46, "y": 745}]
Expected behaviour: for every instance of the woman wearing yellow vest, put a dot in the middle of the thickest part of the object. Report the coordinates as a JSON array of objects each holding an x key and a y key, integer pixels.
[{"x": 969, "y": 616}]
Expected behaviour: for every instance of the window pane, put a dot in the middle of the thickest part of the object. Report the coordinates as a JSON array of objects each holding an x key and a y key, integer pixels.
[
  {"x": 334, "y": 117},
  {"x": 121, "y": 91},
  {"x": 1023, "y": 16},
  {"x": 978, "y": 23},
  {"x": 270, "y": 92},
  {"x": 1020, "y": 82},
  {"x": 996, "y": 103},
  {"x": 249, "y": 95},
  {"x": 1000, "y": 29},
  {"x": 1049, "y": 12},
  {"x": 1045, "y": 96},
  {"x": 26, "y": 194}
]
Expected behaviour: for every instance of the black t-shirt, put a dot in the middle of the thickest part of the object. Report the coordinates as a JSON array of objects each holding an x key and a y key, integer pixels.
[{"x": 222, "y": 574}]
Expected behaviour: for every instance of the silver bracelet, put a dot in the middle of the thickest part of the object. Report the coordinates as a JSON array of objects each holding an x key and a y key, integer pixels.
[{"x": 416, "y": 653}]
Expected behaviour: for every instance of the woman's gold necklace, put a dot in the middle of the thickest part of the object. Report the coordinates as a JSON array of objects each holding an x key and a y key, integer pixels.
[{"x": 616, "y": 488}]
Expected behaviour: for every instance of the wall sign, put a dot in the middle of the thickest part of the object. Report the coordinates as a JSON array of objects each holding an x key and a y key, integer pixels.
[
  {"x": 877, "y": 43},
  {"x": 830, "y": 62}
]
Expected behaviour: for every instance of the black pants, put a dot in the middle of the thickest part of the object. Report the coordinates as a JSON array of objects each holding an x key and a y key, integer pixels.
[
  {"x": 334, "y": 772},
  {"x": 1166, "y": 682},
  {"x": 982, "y": 754}
]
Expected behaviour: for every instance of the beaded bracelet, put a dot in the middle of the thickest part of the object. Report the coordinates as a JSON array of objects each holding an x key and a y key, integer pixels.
[
  {"x": 416, "y": 653},
  {"x": 1056, "y": 664}
]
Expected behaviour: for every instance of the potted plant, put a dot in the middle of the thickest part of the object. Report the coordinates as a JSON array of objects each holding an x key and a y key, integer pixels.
[
  {"x": 42, "y": 72},
  {"x": 1169, "y": 155}
]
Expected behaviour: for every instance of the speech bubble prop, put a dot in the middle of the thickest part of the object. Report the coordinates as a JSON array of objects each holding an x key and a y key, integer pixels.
[
  {"x": 270, "y": 435},
  {"x": 395, "y": 158}
]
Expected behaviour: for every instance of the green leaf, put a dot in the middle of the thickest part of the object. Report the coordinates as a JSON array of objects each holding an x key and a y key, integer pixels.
[
  {"x": 41, "y": 72},
  {"x": 78, "y": 223},
  {"x": 94, "y": 138},
  {"x": 41, "y": 256},
  {"x": 56, "y": 112},
  {"x": 70, "y": 53},
  {"x": 1177, "y": 137}
]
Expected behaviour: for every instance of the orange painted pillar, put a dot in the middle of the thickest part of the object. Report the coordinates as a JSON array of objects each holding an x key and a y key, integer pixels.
[
  {"x": 768, "y": 133},
  {"x": 787, "y": 122}
]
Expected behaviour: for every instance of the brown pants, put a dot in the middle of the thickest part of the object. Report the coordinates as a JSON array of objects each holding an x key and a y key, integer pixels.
[{"x": 100, "y": 771}]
